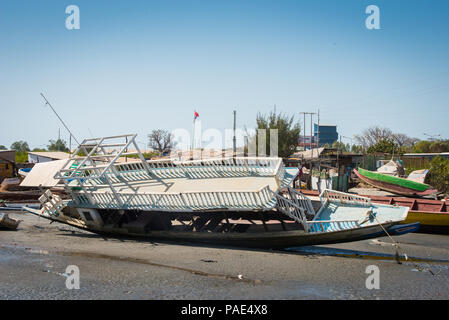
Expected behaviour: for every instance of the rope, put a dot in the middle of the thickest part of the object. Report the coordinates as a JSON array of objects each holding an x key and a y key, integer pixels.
[{"x": 396, "y": 245}]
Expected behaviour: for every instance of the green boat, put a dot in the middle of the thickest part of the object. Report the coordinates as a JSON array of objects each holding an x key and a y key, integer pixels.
[{"x": 394, "y": 184}]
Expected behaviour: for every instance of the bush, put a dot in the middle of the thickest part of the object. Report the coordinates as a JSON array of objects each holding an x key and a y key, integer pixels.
[
  {"x": 438, "y": 175},
  {"x": 21, "y": 156},
  {"x": 431, "y": 146}
]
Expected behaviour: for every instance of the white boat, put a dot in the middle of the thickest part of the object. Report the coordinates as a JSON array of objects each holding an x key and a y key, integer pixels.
[{"x": 238, "y": 200}]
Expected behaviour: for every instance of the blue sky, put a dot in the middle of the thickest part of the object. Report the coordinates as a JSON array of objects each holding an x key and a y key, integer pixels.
[{"x": 134, "y": 66}]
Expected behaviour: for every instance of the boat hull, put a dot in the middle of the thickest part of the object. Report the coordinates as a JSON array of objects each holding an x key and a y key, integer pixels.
[
  {"x": 263, "y": 239},
  {"x": 430, "y": 219},
  {"x": 390, "y": 187},
  {"x": 429, "y": 213},
  {"x": 280, "y": 239}
]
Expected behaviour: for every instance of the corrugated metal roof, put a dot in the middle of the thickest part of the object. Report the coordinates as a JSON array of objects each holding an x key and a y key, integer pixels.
[
  {"x": 315, "y": 152},
  {"x": 7, "y": 155},
  {"x": 42, "y": 174},
  {"x": 425, "y": 154},
  {"x": 57, "y": 155}
]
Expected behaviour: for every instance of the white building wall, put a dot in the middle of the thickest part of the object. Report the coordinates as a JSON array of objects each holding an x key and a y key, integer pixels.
[{"x": 34, "y": 158}]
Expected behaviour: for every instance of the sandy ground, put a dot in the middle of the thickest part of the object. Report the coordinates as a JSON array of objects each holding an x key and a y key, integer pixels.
[{"x": 33, "y": 262}]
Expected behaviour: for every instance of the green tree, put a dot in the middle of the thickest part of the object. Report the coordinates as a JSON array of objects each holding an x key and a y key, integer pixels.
[
  {"x": 356, "y": 148},
  {"x": 422, "y": 146},
  {"x": 438, "y": 175},
  {"x": 425, "y": 146},
  {"x": 439, "y": 146},
  {"x": 20, "y": 146},
  {"x": 384, "y": 146},
  {"x": 2, "y": 147},
  {"x": 372, "y": 136},
  {"x": 58, "y": 145},
  {"x": 375, "y": 135},
  {"x": 21, "y": 156},
  {"x": 341, "y": 146},
  {"x": 288, "y": 131}
]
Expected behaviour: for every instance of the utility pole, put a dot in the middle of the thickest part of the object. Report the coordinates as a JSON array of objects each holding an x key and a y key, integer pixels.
[
  {"x": 311, "y": 115},
  {"x": 318, "y": 133},
  {"x": 311, "y": 135},
  {"x": 318, "y": 145},
  {"x": 304, "y": 138},
  {"x": 234, "y": 141},
  {"x": 311, "y": 139},
  {"x": 338, "y": 165}
]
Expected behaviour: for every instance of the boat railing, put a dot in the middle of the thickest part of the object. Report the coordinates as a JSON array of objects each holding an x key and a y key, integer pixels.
[
  {"x": 301, "y": 200},
  {"x": 101, "y": 166},
  {"x": 321, "y": 226},
  {"x": 280, "y": 173},
  {"x": 292, "y": 210},
  {"x": 186, "y": 201},
  {"x": 210, "y": 168},
  {"x": 343, "y": 198}
]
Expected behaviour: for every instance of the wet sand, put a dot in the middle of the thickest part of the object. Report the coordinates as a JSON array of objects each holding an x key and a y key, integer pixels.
[{"x": 34, "y": 258}]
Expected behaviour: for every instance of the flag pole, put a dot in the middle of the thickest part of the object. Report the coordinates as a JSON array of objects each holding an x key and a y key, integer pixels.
[{"x": 193, "y": 135}]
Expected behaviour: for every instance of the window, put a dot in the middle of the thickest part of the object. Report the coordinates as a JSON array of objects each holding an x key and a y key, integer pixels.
[{"x": 87, "y": 216}]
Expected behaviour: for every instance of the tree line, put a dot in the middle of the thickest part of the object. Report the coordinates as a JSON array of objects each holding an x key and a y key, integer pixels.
[{"x": 22, "y": 148}]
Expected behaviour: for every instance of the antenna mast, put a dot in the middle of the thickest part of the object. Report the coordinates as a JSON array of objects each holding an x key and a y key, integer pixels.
[{"x": 71, "y": 134}]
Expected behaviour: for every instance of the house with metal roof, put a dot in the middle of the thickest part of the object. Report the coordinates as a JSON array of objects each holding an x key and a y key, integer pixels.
[{"x": 46, "y": 156}]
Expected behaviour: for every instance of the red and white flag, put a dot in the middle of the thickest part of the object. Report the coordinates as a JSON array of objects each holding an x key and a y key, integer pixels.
[{"x": 195, "y": 115}]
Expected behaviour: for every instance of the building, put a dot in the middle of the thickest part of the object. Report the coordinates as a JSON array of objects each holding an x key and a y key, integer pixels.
[
  {"x": 46, "y": 156},
  {"x": 327, "y": 134},
  {"x": 7, "y": 162}
]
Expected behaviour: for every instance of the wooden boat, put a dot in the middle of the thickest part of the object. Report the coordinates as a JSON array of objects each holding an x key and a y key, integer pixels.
[
  {"x": 21, "y": 204},
  {"x": 394, "y": 184},
  {"x": 433, "y": 215},
  {"x": 23, "y": 172},
  {"x": 237, "y": 201},
  {"x": 7, "y": 223},
  {"x": 20, "y": 195}
]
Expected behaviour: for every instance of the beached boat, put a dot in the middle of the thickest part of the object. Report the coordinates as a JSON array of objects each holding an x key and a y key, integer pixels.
[
  {"x": 23, "y": 172},
  {"x": 433, "y": 215},
  {"x": 394, "y": 184},
  {"x": 235, "y": 201},
  {"x": 7, "y": 223}
]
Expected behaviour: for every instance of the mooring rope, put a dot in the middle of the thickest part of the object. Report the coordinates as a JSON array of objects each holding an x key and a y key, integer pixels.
[{"x": 396, "y": 245}]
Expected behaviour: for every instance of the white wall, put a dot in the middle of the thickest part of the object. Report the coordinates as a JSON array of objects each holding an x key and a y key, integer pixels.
[{"x": 33, "y": 158}]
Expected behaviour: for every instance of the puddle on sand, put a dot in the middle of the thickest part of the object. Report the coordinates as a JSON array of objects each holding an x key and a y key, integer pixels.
[{"x": 357, "y": 254}]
